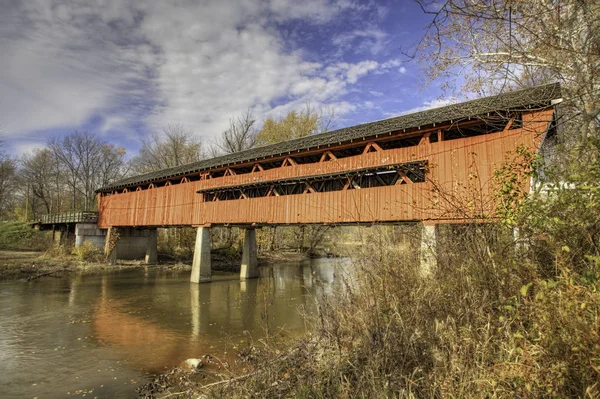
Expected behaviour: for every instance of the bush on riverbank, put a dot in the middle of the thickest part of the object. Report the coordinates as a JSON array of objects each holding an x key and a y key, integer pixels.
[
  {"x": 497, "y": 318},
  {"x": 19, "y": 236},
  {"x": 88, "y": 252}
]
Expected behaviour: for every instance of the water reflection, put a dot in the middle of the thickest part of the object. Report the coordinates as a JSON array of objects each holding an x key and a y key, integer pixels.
[{"x": 81, "y": 332}]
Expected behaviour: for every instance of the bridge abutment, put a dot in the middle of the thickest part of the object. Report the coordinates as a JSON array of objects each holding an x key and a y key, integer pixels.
[
  {"x": 249, "y": 267},
  {"x": 201, "y": 268},
  {"x": 130, "y": 243},
  {"x": 429, "y": 248},
  {"x": 89, "y": 232}
]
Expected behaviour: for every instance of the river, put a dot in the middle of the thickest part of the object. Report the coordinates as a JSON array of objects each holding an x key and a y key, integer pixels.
[{"x": 104, "y": 335}]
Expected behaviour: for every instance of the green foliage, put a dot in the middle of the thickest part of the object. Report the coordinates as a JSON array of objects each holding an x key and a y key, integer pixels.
[
  {"x": 88, "y": 252},
  {"x": 21, "y": 236}
]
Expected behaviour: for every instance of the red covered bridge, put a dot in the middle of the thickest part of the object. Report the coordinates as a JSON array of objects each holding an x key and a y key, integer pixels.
[{"x": 378, "y": 172}]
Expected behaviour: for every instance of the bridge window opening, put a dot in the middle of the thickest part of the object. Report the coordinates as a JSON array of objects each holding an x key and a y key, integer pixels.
[
  {"x": 414, "y": 172},
  {"x": 218, "y": 173},
  {"x": 400, "y": 143},
  {"x": 492, "y": 124},
  {"x": 272, "y": 164},
  {"x": 307, "y": 159},
  {"x": 243, "y": 169}
]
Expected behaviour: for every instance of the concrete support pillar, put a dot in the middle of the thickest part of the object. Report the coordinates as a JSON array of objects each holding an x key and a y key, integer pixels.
[
  {"x": 201, "y": 270},
  {"x": 429, "y": 248},
  {"x": 110, "y": 247},
  {"x": 249, "y": 262},
  {"x": 152, "y": 247}
]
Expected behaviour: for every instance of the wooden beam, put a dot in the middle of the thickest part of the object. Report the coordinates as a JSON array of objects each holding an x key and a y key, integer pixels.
[
  {"x": 257, "y": 168},
  {"x": 309, "y": 188},
  {"x": 347, "y": 184},
  {"x": 327, "y": 154},
  {"x": 509, "y": 124},
  {"x": 288, "y": 161},
  {"x": 440, "y": 135},
  {"x": 404, "y": 178},
  {"x": 425, "y": 139}
]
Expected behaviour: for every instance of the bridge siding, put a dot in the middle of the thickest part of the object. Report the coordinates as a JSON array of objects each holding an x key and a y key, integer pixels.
[{"x": 451, "y": 163}]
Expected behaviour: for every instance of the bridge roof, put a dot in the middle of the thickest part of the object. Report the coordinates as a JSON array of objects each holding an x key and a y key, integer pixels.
[{"x": 521, "y": 99}]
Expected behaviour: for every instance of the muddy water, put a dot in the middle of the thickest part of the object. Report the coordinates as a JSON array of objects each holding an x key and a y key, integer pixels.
[{"x": 101, "y": 336}]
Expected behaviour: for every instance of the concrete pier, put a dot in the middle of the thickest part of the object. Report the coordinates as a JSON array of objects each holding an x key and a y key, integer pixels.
[
  {"x": 249, "y": 267},
  {"x": 111, "y": 250},
  {"x": 152, "y": 247},
  {"x": 201, "y": 269},
  {"x": 429, "y": 248}
]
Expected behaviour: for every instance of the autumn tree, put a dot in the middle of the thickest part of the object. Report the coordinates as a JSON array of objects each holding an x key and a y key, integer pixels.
[
  {"x": 176, "y": 146},
  {"x": 296, "y": 124},
  {"x": 500, "y": 45},
  {"x": 239, "y": 136}
]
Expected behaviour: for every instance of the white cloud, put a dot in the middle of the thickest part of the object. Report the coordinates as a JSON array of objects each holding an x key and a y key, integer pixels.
[
  {"x": 427, "y": 105},
  {"x": 161, "y": 62},
  {"x": 402, "y": 70},
  {"x": 371, "y": 41}
]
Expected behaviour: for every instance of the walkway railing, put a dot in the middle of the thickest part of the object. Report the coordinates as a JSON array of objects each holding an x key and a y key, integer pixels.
[{"x": 70, "y": 217}]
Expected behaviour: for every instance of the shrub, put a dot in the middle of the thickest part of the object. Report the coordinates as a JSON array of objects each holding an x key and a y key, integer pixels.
[
  {"x": 495, "y": 319},
  {"x": 21, "y": 237},
  {"x": 88, "y": 252}
]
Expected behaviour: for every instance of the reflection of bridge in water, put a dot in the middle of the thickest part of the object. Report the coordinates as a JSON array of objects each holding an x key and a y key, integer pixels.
[
  {"x": 389, "y": 171},
  {"x": 216, "y": 316}
]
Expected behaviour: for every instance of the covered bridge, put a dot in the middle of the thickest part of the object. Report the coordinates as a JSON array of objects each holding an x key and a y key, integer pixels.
[{"x": 378, "y": 172}]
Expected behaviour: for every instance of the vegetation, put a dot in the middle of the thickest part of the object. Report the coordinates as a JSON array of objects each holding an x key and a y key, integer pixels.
[
  {"x": 19, "y": 236},
  {"x": 498, "y": 317},
  {"x": 88, "y": 252},
  {"x": 296, "y": 124},
  {"x": 176, "y": 146}
]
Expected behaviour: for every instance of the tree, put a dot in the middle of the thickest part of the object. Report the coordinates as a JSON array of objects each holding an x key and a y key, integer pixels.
[
  {"x": 502, "y": 44},
  {"x": 85, "y": 162},
  {"x": 176, "y": 146},
  {"x": 296, "y": 124},
  {"x": 7, "y": 182},
  {"x": 39, "y": 170},
  {"x": 239, "y": 136}
]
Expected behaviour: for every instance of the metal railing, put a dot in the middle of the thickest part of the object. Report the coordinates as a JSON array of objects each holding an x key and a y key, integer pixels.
[{"x": 70, "y": 217}]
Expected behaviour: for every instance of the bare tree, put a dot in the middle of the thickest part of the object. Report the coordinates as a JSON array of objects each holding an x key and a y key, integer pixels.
[
  {"x": 502, "y": 44},
  {"x": 85, "y": 163},
  {"x": 239, "y": 136},
  {"x": 39, "y": 171},
  {"x": 174, "y": 147},
  {"x": 7, "y": 182}
]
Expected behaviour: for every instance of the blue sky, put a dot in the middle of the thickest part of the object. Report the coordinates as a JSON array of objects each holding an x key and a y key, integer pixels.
[{"x": 124, "y": 69}]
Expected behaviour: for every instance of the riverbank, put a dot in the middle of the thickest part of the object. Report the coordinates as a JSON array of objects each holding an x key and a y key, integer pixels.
[{"x": 30, "y": 265}]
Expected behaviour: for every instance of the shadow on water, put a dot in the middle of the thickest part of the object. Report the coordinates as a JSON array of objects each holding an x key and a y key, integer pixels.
[{"x": 105, "y": 334}]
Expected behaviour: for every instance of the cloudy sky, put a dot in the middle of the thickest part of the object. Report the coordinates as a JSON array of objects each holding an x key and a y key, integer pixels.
[{"x": 125, "y": 68}]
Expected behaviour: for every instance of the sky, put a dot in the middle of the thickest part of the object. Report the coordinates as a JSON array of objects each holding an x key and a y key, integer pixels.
[{"x": 124, "y": 69}]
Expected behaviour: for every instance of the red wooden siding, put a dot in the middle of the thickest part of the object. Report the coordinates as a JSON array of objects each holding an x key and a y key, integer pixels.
[{"x": 455, "y": 165}]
